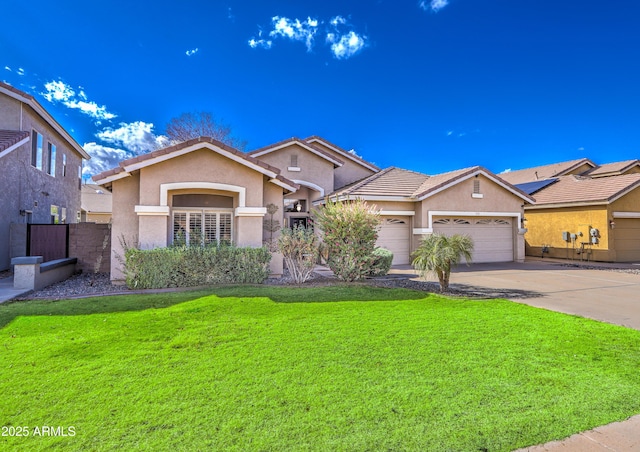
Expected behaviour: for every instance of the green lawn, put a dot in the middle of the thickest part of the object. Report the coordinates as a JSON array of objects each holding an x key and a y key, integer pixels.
[{"x": 331, "y": 368}]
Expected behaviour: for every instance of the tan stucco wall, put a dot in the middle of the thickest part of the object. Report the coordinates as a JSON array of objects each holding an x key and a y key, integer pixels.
[
  {"x": 349, "y": 172},
  {"x": 200, "y": 166},
  {"x": 124, "y": 229},
  {"x": 545, "y": 227},
  {"x": 97, "y": 218},
  {"x": 458, "y": 198},
  {"x": 143, "y": 188},
  {"x": 10, "y": 113},
  {"x": 313, "y": 168}
]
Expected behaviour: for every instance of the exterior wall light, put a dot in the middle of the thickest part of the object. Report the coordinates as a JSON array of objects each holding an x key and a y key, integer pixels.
[{"x": 612, "y": 224}]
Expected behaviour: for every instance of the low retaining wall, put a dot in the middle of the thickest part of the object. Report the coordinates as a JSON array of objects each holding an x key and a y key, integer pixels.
[{"x": 32, "y": 274}]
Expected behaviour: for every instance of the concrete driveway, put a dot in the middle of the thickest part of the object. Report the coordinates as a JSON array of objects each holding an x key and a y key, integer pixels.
[{"x": 598, "y": 294}]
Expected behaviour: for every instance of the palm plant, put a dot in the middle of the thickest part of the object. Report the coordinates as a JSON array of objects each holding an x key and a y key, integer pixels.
[{"x": 438, "y": 253}]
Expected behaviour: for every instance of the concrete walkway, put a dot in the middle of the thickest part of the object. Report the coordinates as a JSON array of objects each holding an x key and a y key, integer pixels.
[{"x": 7, "y": 292}]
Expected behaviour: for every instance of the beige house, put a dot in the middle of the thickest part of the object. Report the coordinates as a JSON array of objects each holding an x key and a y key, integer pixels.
[
  {"x": 583, "y": 211},
  {"x": 95, "y": 204},
  {"x": 470, "y": 201},
  {"x": 203, "y": 191}
]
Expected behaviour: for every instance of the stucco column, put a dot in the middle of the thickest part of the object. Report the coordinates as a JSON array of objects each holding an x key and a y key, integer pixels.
[
  {"x": 520, "y": 253},
  {"x": 152, "y": 232}
]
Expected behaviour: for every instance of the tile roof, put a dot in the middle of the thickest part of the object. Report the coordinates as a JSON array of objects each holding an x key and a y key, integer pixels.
[
  {"x": 397, "y": 182},
  {"x": 284, "y": 143},
  {"x": 147, "y": 159},
  {"x": 544, "y": 171},
  {"x": 612, "y": 169},
  {"x": 348, "y": 154},
  {"x": 388, "y": 182},
  {"x": 10, "y": 138},
  {"x": 584, "y": 190}
]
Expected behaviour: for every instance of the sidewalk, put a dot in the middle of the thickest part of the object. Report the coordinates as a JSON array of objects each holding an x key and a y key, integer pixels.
[{"x": 7, "y": 292}]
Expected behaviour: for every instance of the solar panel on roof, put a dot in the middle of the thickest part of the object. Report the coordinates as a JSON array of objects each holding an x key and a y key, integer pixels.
[{"x": 532, "y": 187}]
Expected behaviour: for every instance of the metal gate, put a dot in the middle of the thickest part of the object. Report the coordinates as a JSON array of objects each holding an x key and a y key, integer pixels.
[{"x": 51, "y": 241}]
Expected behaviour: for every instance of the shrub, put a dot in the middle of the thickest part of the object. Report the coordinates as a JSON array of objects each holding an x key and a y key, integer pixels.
[
  {"x": 350, "y": 234},
  {"x": 299, "y": 246},
  {"x": 190, "y": 266},
  {"x": 382, "y": 262}
]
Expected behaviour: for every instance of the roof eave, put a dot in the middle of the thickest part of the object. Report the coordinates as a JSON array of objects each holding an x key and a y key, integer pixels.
[{"x": 33, "y": 103}]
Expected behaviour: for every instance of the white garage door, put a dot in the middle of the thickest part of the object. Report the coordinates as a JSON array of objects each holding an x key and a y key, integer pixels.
[
  {"x": 492, "y": 237},
  {"x": 394, "y": 236},
  {"x": 627, "y": 239}
]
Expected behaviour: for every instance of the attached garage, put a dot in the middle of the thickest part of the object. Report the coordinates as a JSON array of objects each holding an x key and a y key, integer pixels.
[
  {"x": 394, "y": 236},
  {"x": 492, "y": 237},
  {"x": 626, "y": 238}
]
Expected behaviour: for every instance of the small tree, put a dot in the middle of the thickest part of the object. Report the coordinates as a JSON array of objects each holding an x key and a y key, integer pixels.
[
  {"x": 271, "y": 225},
  {"x": 438, "y": 253},
  {"x": 201, "y": 124},
  {"x": 350, "y": 231},
  {"x": 299, "y": 246}
]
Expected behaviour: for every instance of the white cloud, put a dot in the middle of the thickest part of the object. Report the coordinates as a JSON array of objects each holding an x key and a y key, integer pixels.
[
  {"x": 102, "y": 158},
  {"x": 7, "y": 68},
  {"x": 581, "y": 148},
  {"x": 260, "y": 42},
  {"x": 58, "y": 91},
  {"x": 433, "y": 5},
  {"x": 346, "y": 46},
  {"x": 449, "y": 133},
  {"x": 295, "y": 29},
  {"x": 192, "y": 52},
  {"x": 343, "y": 41},
  {"x": 20, "y": 71},
  {"x": 508, "y": 170},
  {"x": 136, "y": 137}
]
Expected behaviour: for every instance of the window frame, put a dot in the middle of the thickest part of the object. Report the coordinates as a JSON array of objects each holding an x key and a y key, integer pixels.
[
  {"x": 37, "y": 149},
  {"x": 203, "y": 212}
]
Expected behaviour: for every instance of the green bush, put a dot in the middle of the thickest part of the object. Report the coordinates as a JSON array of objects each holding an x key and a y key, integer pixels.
[
  {"x": 382, "y": 263},
  {"x": 190, "y": 266},
  {"x": 299, "y": 246},
  {"x": 350, "y": 234}
]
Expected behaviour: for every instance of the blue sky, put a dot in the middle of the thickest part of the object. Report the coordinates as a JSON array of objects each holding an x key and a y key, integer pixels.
[{"x": 430, "y": 85}]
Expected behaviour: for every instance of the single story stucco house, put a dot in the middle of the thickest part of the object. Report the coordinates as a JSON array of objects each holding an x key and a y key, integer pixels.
[{"x": 202, "y": 188}]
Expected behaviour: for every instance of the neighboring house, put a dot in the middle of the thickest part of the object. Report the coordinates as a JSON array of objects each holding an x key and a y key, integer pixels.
[
  {"x": 95, "y": 204},
  {"x": 202, "y": 191},
  {"x": 589, "y": 213},
  {"x": 40, "y": 164},
  {"x": 470, "y": 201}
]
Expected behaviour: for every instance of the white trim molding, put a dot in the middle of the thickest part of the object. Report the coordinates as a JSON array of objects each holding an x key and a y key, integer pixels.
[
  {"x": 15, "y": 146},
  {"x": 397, "y": 213},
  {"x": 626, "y": 214},
  {"x": 294, "y": 169},
  {"x": 453, "y": 213},
  {"x": 165, "y": 188},
  {"x": 477, "y": 195},
  {"x": 152, "y": 210},
  {"x": 250, "y": 211},
  {"x": 311, "y": 185}
]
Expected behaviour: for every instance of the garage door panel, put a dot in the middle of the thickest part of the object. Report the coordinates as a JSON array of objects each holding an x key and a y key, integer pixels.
[
  {"x": 492, "y": 238},
  {"x": 394, "y": 236},
  {"x": 627, "y": 239}
]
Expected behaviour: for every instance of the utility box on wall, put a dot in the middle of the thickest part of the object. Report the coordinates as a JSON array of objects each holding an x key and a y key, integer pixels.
[{"x": 565, "y": 236}]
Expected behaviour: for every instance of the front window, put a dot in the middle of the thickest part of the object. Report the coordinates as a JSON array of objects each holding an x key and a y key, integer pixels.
[
  {"x": 202, "y": 227},
  {"x": 52, "y": 159},
  {"x": 36, "y": 150}
]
